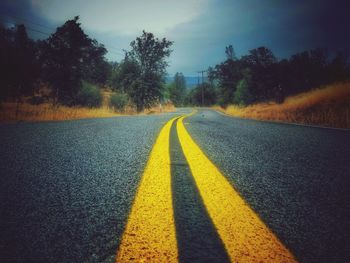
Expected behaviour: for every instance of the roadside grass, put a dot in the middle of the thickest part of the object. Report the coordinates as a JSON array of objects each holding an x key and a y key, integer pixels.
[
  {"x": 9, "y": 111},
  {"x": 47, "y": 112},
  {"x": 326, "y": 106}
]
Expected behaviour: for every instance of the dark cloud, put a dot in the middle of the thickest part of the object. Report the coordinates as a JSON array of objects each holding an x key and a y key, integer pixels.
[{"x": 284, "y": 26}]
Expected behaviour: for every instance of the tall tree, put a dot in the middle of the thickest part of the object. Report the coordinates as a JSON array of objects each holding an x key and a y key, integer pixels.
[
  {"x": 27, "y": 69},
  {"x": 227, "y": 74},
  {"x": 149, "y": 53},
  {"x": 261, "y": 62},
  {"x": 18, "y": 64},
  {"x": 69, "y": 56},
  {"x": 338, "y": 69},
  {"x": 7, "y": 64},
  {"x": 178, "y": 89}
]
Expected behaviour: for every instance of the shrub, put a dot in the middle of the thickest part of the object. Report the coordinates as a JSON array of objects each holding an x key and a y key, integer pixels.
[
  {"x": 89, "y": 95},
  {"x": 119, "y": 101}
]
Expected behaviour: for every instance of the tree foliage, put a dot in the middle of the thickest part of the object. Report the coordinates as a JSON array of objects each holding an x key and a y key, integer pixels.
[
  {"x": 228, "y": 74},
  {"x": 142, "y": 72},
  {"x": 259, "y": 76},
  {"x": 177, "y": 89},
  {"x": 69, "y": 56},
  {"x": 205, "y": 91},
  {"x": 19, "y": 66}
]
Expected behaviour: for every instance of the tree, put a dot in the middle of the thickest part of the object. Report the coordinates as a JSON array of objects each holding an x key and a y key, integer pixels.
[
  {"x": 124, "y": 74},
  {"x": 209, "y": 95},
  {"x": 7, "y": 64},
  {"x": 228, "y": 73},
  {"x": 262, "y": 63},
  {"x": 69, "y": 55},
  {"x": 177, "y": 89},
  {"x": 261, "y": 56},
  {"x": 338, "y": 69},
  {"x": 149, "y": 54},
  {"x": 99, "y": 72},
  {"x": 307, "y": 70},
  {"x": 18, "y": 64},
  {"x": 243, "y": 94},
  {"x": 27, "y": 69}
]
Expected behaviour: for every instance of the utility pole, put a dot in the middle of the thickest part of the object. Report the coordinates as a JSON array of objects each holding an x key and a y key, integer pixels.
[{"x": 202, "y": 71}]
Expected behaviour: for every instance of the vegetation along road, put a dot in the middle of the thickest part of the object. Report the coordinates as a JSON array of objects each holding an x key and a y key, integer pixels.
[{"x": 185, "y": 186}]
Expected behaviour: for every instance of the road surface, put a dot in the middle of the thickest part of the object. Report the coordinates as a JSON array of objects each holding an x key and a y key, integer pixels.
[{"x": 90, "y": 190}]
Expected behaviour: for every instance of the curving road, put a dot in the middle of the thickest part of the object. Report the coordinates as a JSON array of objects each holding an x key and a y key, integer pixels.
[{"x": 67, "y": 188}]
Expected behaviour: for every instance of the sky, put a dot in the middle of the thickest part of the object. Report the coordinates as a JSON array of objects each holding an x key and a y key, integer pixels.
[{"x": 200, "y": 29}]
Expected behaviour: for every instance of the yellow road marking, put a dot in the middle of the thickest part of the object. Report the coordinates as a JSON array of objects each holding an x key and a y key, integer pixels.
[
  {"x": 246, "y": 237},
  {"x": 150, "y": 231}
]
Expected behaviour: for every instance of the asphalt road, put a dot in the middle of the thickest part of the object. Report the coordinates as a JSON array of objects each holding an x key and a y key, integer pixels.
[
  {"x": 297, "y": 179},
  {"x": 66, "y": 188}
]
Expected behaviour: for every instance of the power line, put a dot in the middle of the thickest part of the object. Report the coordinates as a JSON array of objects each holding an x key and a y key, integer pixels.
[
  {"x": 38, "y": 31},
  {"x": 28, "y": 28}
]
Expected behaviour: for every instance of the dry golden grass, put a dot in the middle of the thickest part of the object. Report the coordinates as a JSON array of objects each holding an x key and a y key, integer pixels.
[
  {"x": 48, "y": 112},
  {"x": 326, "y": 106}
]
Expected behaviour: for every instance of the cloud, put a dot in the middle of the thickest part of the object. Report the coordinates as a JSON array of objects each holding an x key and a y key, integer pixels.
[
  {"x": 123, "y": 17},
  {"x": 200, "y": 29}
]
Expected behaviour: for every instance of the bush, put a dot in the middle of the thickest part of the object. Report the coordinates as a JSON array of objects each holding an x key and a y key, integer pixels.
[
  {"x": 119, "y": 101},
  {"x": 89, "y": 95}
]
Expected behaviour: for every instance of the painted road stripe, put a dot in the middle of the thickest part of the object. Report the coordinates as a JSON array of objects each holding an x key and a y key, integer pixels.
[
  {"x": 197, "y": 238},
  {"x": 150, "y": 231},
  {"x": 245, "y": 236}
]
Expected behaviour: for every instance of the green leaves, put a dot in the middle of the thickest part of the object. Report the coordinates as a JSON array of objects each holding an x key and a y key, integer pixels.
[
  {"x": 69, "y": 56},
  {"x": 177, "y": 90},
  {"x": 141, "y": 74}
]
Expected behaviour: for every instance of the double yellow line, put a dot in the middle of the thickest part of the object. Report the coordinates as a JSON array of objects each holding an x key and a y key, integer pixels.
[{"x": 150, "y": 234}]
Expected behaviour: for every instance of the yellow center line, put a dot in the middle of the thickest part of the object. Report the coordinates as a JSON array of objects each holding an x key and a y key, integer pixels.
[
  {"x": 245, "y": 236},
  {"x": 150, "y": 231}
]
